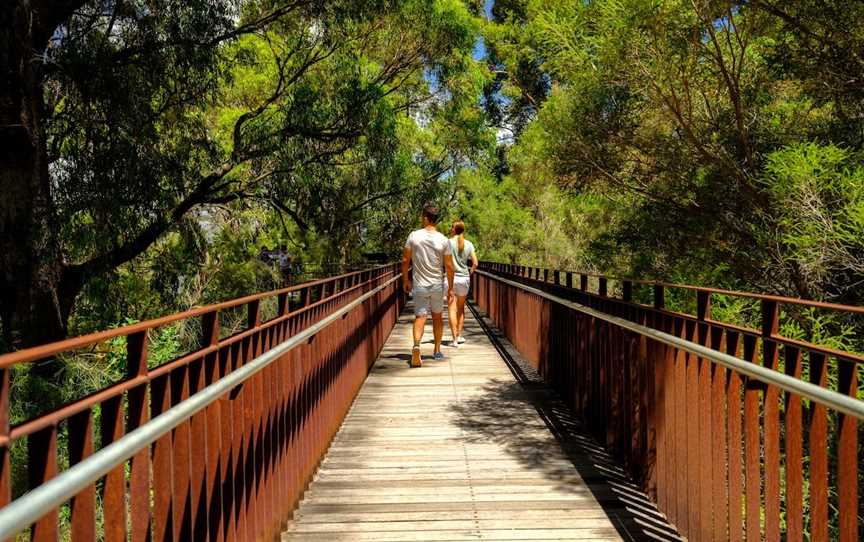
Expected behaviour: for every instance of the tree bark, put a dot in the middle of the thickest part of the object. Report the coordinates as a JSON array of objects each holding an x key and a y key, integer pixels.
[{"x": 34, "y": 296}]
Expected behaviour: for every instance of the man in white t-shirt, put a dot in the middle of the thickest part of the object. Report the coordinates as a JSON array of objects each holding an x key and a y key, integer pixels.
[{"x": 429, "y": 251}]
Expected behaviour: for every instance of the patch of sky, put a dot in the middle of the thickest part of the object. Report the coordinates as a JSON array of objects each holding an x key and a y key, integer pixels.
[
  {"x": 487, "y": 8},
  {"x": 479, "y": 52},
  {"x": 432, "y": 79}
]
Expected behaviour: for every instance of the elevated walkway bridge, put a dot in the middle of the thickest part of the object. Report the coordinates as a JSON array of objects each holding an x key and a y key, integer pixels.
[{"x": 581, "y": 407}]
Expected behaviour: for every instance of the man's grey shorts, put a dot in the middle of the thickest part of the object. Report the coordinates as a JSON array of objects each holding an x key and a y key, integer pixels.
[{"x": 428, "y": 300}]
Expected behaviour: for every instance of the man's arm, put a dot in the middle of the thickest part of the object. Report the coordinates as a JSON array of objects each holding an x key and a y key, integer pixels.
[
  {"x": 448, "y": 265},
  {"x": 406, "y": 263}
]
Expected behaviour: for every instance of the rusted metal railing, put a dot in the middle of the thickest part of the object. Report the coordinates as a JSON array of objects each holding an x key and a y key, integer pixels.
[
  {"x": 242, "y": 421},
  {"x": 727, "y": 449}
]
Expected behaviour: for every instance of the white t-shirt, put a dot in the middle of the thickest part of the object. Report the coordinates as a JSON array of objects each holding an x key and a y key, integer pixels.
[{"x": 428, "y": 248}]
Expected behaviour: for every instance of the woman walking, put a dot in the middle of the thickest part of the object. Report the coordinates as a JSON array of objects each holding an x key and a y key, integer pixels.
[{"x": 464, "y": 263}]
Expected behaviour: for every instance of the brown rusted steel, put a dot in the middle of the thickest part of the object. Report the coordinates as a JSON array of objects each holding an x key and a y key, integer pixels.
[
  {"x": 83, "y": 507},
  {"x": 236, "y": 470},
  {"x": 724, "y": 456}
]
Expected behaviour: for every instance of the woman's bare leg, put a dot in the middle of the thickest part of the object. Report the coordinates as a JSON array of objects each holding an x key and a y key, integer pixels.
[
  {"x": 453, "y": 319},
  {"x": 460, "y": 314}
]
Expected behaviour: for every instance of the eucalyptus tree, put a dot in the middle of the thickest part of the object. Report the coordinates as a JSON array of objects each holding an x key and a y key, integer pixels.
[
  {"x": 122, "y": 120},
  {"x": 696, "y": 120}
]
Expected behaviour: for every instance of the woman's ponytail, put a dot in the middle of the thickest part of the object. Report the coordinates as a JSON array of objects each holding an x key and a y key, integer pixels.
[{"x": 459, "y": 229}]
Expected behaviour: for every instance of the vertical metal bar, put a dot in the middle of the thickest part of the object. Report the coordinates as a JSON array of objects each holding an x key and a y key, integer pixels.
[
  {"x": 734, "y": 432},
  {"x": 703, "y": 305},
  {"x": 556, "y": 277},
  {"x": 705, "y": 421},
  {"x": 282, "y": 304},
  {"x": 847, "y": 456},
  {"x": 794, "y": 451},
  {"x": 627, "y": 294},
  {"x": 659, "y": 297},
  {"x": 198, "y": 471},
  {"x": 752, "y": 447},
  {"x": 680, "y": 436},
  {"x": 818, "y": 454},
  {"x": 583, "y": 282},
  {"x": 41, "y": 467},
  {"x": 181, "y": 459},
  {"x": 253, "y": 318},
  {"x": 212, "y": 494},
  {"x": 214, "y": 484},
  {"x": 771, "y": 445},
  {"x": 227, "y": 450},
  {"x": 138, "y": 415},
  {"x": 693, "y": 420},
  {"x": 719, "y": 444},
  {"x": 5, "y": 469},
  {"x": 569, "y": 279},
  {"x": 163, "y": 522},
  {"x": 114, "y": 486},
  {"x": 83, "y": 505},
  {"x": 602, "y": 289}
]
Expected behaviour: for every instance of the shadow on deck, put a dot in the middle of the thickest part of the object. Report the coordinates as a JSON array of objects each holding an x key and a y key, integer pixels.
[{"x": 489, "y": 416}]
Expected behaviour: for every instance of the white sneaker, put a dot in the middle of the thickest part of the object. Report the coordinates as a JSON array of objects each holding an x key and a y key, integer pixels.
[{"x": 461, "y": 340}]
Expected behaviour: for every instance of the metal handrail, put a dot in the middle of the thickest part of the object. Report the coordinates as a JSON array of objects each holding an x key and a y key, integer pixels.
[
  {"x": 27, "y": 509},
  {"x": 36, "y": 353},
  {"x": 831, "y": 399},
  {"x": 720, "y": 291}
]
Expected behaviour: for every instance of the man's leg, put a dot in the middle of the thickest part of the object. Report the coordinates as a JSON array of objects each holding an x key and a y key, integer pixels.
[
  {"x": 438, "y": 329},
  {"x": 421, "y": 312},
  {"x": 419, "y": 325}
]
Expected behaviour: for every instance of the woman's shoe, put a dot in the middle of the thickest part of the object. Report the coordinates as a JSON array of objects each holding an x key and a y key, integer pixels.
[
  {"x": 461, "y": 339},
  {"x": 416, "y": 361},
  {"x": 438, "y": 356}
]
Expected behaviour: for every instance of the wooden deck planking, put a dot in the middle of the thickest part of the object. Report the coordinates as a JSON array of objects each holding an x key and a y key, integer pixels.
[{"x": 451, "y": 451}]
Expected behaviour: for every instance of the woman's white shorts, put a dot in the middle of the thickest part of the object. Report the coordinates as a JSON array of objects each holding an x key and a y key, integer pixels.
[{"x": 461, "y": 285}]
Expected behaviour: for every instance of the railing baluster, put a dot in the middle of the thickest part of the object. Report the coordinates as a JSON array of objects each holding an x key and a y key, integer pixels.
[
  {"x": 114, "y": 486},
  {"x": 163, "y": 522},
  {"x": 752, "y": 447},
  {"x": 771, "y": 412},
  {"x": 5, "y": 466},
  {"x": 83, "y": 505},
  {"x": 41, "y": 467},
  {"x": 659, "y": 296},
  {"x": 818, "y": 446},
  {"x": 794, "y": 451},
  {"x": 717, "y": 447},
  {"x": 137, "y": 415},
  {"x": 736, "y": 441},
  {"x": 719, "y": 444},
  {"x": 847, "y": 456}
]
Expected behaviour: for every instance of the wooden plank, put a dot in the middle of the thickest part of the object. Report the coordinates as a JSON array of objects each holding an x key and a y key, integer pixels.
[{"x": 456, "y": 450}]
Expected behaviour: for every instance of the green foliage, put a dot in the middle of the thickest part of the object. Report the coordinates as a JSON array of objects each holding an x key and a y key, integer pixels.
[
  {"x": 697, "y": 123},
  {"x": 819, "y": 190}
]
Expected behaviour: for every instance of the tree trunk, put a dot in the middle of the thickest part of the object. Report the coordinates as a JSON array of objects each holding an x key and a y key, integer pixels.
[{"x": 34, "y": 310}]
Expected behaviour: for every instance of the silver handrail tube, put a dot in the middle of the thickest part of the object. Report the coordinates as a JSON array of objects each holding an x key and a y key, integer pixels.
[
  {"x": 829, "y": 398},
  {"x": 26, "y": 510}
]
